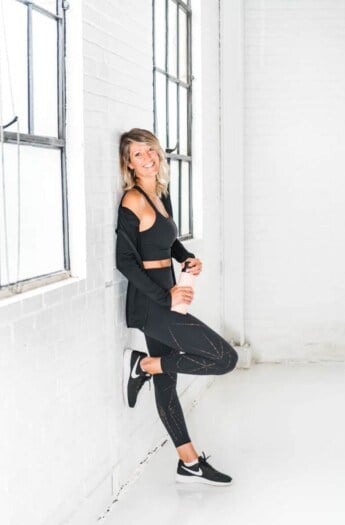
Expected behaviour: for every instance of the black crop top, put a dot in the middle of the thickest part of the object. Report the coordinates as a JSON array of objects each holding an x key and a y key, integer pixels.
[{"x": 155, "y": 243}]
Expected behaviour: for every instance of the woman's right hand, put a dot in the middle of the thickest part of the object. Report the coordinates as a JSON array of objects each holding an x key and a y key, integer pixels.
[{"x": 181, "y": 294}]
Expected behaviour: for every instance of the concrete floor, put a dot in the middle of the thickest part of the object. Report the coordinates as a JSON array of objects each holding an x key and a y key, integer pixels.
[{"x": 278, "y": 430}]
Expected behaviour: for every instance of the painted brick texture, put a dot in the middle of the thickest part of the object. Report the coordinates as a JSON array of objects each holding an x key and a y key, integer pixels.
[
  {"x": 68, "y": 440},
  {"x": 294, "y": 187}
]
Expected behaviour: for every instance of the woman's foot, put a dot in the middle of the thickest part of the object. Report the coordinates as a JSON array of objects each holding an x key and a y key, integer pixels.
[
  {"x": 134, "y": 376},
  {"x": 201, "y": 472}
]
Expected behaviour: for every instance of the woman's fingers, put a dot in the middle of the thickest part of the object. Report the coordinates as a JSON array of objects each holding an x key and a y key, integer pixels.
[
  {"x": 194, "y": 266},
  {"x": 187, "y": 293},
  {"x": 182, "y": 294}
]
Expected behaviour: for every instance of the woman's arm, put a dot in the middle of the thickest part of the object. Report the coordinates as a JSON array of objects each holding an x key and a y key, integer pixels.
[
  {"x": 127, "y": 263},
  {"x": 179, "y": 252}
]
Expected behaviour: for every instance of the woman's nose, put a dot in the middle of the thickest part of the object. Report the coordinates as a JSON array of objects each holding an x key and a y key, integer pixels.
[{"x": 147, "y": 156}]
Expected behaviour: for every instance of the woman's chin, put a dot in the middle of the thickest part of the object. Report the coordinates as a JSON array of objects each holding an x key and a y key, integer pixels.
[{"x": 151, "y": 176}]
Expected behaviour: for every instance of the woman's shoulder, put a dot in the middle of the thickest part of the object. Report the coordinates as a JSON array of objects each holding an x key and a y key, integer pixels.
[
  {"x": 130, "y": 206},
  {"x": 133, "y": 200}
]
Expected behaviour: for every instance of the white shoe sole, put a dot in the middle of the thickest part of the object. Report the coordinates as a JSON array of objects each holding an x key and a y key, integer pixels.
[
  {"x": 126, "y": 373},
  {"x": 180, "y": 478}
]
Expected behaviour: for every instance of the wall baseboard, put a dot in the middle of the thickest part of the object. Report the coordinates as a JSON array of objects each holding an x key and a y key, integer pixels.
[{"x": 245, "y": 356}]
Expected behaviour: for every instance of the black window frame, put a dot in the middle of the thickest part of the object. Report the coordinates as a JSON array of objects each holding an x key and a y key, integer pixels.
[
  {"x": 173, "y": 154},
  {"x": 44, "y": 141}
]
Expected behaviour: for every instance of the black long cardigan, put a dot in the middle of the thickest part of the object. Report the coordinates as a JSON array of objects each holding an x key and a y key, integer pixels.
[{"x": 140, "y": 286}]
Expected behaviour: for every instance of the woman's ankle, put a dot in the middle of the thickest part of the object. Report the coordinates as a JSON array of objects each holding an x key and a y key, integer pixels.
[
  {"x": 187, "y": 452},
  {"x": 151, "y": 365},
  {"x": 189, "y": 459}
]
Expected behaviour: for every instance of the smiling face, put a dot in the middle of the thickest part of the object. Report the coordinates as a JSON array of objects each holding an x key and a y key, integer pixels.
[{"x": 144, "y": 159}]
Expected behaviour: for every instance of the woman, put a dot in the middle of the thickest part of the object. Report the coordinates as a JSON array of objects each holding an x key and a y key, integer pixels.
[{"x": 177, "y": 343}]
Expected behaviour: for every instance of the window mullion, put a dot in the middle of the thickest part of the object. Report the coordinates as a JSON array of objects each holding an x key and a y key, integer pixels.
[
  {"x": 172, "y": 78},
  {"x": 26, "y": 139},
  {"x": 166, "y": 70},
  {"x": 61, "y": 80},
  {"x": 189, "y": 80},
  {"x": 62, "y": 128},
  {"x": 178, "y": 42},
  {"x": 30, "y": 71},
  {"x": 179, "y": 196},
  {"x": 190, "y": 116},
  {"x": 155, "y": 124},
  {"x": 178, "y": 76}
]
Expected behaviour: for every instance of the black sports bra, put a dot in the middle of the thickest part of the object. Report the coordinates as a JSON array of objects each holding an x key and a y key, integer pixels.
[{"x": 156, "y": 241}]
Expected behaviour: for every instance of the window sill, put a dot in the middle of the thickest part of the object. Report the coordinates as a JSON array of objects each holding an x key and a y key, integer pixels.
[{"x": 34, "y": 287}]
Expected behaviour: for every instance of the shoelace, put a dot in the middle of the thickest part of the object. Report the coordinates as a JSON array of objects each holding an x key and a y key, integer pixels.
[
  {"x": 147, "y": 378},
  {"x": 204, "y": 459}
]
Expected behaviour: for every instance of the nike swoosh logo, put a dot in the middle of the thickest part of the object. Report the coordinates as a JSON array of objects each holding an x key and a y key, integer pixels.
[
  {"x": 134, "y": 375},
  {"x": 196, "y": 472}
]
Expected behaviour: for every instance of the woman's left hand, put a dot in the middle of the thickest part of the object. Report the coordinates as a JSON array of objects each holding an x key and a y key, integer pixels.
[{"x": 195, "y": 265}]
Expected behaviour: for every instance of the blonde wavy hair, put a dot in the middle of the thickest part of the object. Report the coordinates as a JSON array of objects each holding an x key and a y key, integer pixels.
[{"x": 129, "y": 178}]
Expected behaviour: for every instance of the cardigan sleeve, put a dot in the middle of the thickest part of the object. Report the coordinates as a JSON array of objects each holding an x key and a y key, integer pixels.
[
  {"x": 178, "y": 251},
  {"x": 127, "y": 263}
]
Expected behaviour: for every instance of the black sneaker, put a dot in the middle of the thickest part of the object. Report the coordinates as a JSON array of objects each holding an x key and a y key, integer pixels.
[
  {"x": 201, "y": 472},
  {"x": 133, "y": 376}
]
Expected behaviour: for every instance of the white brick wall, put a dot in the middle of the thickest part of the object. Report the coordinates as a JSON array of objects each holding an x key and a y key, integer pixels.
[
  {"x": 65, "y": 427},
  {"x": 293, "y": 184}
]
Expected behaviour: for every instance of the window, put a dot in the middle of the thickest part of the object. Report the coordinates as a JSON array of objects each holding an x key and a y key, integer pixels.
[
  {"x": 172, "y": 87},
  {"x": 33, "y": 191}
]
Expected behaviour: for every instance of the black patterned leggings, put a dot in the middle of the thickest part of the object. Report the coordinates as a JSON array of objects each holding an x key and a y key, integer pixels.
[{"x": 186, "y": 345}]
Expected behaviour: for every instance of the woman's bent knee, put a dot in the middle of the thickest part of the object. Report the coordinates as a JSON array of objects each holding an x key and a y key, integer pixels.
[{"x": 230, "y": 358}]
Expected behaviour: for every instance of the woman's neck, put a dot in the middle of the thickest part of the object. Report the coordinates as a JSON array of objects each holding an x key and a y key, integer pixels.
[{"x": 148, "y": 186}]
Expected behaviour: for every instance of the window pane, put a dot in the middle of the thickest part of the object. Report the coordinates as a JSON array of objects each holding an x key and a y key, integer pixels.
[
  {"x": 172, "y": 115},
  {"x": 44, "y": 31},
  {"x": 41, "y": 233},
  {"x": 172, "y": 44},
  {"x": 183, "y": 121},
  {"x": 185, "y": 226},
  {"x": 171, "y": 108},
  {"x": 174, "y": 188},
  {"x": 161, "y": 108},
  {"x": 183, "y": 46},
  {"x": 160, "y": 44},
  {"x": 13, "y": 26}
]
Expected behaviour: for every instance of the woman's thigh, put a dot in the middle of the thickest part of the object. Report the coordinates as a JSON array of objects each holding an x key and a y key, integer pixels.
[{"x": 183, "y": 332}]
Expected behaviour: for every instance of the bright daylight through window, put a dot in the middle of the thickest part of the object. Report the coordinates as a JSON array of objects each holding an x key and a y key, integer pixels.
[
  {"x": 33, "y": 191},
  {"x": 172, "y": 80}
]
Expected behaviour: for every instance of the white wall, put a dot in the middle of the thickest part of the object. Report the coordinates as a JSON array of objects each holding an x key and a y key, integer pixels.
[
  {"x": 68, "y": 441},
  {"x": 286, "y": 173},
  {"x": 65, "y": 427}
]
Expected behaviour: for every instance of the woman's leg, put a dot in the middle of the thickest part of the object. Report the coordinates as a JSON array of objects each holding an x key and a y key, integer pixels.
[
  {"x": 204, "y": 352},
  {"x": 199, "y": 350},
  {"x": 167, "y": 402}
]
